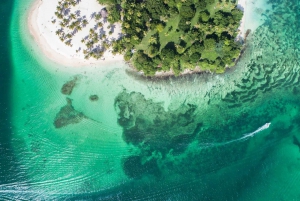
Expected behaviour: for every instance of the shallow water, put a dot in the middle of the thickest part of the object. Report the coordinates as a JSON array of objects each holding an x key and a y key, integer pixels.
[{"x": 154, "y": 139}]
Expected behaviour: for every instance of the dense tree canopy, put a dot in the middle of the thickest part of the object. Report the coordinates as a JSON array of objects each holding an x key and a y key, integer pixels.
[{"x": 175, "y": 34}]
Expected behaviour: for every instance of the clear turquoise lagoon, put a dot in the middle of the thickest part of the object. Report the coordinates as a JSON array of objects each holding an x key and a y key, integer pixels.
[{"x": 194, "y": 137}]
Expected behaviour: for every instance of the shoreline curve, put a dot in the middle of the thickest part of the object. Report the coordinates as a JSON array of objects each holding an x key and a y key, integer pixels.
[{"x": 52, "y": 54}]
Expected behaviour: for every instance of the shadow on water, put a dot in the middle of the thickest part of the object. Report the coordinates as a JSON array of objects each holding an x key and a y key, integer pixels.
[{"x": 7, "y": 162}]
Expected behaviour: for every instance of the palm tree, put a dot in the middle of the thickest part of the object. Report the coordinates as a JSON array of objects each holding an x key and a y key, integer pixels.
[
  {"x": 73, "y": 16},
  {"x": 62, "y": 24},
  {"x": 130, "y": 12},
  {"x": 72, "y": 26},
  {"x": 105, "y": 45},
  {"x": 84, "y": 22},
  {"x": 138, "y": 14},
  {"x": 69, "y": 35},
  {"x": 89, "y": 45},
  {"x": 98, "y": 16},
  {"x": 138, "y": 29},
  {"x": 126, "y": 25},
  {"x": 66, "y": 5},
  {"x": 68, "y": 42},
  {"x": 95, "y": 39},
  {"x": 135, "y": 37},
  {"x": 66, "y": 21},
  {"x": 127, "y": 40},
  {"x": 100, "y": 24},
  {"x": 59, "y": 16}
]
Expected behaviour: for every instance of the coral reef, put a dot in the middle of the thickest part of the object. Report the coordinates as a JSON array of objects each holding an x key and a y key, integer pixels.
[
  {"x": 67, "y": 115},
  {"x": 68, "y": 87}
]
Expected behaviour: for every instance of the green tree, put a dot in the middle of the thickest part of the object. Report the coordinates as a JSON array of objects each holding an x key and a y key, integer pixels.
[
  {"x": 156, "y": 8},
  {"x": 210, "y": 1},
  {"x": 160, "y": 27},
  {"x": 209, "y": 44},
  {"x": 204, "y": 16},
  {"x": 114, "y": 14},
  {"x": 183, "y": 25},
  {"x": 187, "y": 12},
  {"x": 127, "y": 55},
  {"x": 195, "y": 57}
]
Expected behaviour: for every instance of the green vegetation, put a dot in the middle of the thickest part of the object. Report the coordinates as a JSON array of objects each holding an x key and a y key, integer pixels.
[
  {"x": 160, "y": 35},
  {"x": 176, "y": 34}
]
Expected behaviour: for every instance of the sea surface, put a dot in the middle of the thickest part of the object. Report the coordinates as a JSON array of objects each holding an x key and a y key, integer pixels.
[{"x": 106, "y": 133}]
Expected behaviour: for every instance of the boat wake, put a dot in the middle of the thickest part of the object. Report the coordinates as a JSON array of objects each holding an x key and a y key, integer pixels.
[{"x": 245, "y": 136}]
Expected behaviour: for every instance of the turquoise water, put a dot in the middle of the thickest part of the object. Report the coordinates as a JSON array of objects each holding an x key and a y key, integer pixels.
[{"x": 195, "y": 137}]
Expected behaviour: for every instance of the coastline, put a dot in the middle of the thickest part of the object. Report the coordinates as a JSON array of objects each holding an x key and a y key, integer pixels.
[
  {"x": 43, "y": 40},
  {"x": 241, "y": 5},
  {"x": 170, "y": 73}
]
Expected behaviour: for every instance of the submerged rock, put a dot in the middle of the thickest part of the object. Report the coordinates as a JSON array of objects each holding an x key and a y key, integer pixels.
[
  {"x": 68, "y": 87},
  {"x": 67, "y": 115},
  {"x": 155, "y": 128},
  {"x": 94, "y": 98},
  {"x": 134, "y": 167}
]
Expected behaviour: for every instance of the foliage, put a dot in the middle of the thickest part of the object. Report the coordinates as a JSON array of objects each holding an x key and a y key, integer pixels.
[
  {"x": 114, "y": 14},
  {"x": 210, "y": 44},
  {"x": 176, "y": 34},
  {"x": 204, "y": 16}
]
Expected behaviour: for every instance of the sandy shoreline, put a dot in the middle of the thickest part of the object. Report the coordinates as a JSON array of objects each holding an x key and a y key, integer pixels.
[
  {"x": 43, "y": 33},
  {"x": 241, "y": 5},
  {"x": 43, "y": 40}
]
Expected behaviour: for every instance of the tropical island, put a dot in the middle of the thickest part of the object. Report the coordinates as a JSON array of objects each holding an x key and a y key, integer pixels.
[{"x": 153, "y": 36}]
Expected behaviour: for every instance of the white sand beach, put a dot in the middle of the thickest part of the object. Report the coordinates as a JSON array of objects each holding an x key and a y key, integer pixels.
[
  {"x": 43, "y": 30},
  {"x": 241, "y": 5}
]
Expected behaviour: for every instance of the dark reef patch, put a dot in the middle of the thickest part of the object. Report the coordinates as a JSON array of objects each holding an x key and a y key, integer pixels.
[
  {"x": 146, "y": 123},
  {"x": 134, "y": 167},
  {"x": 155, "y": 132},
  {"x": 93, "y": 98},
  {"x": 68, "y": 87},
  {"x": 68, "y": 115}
]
